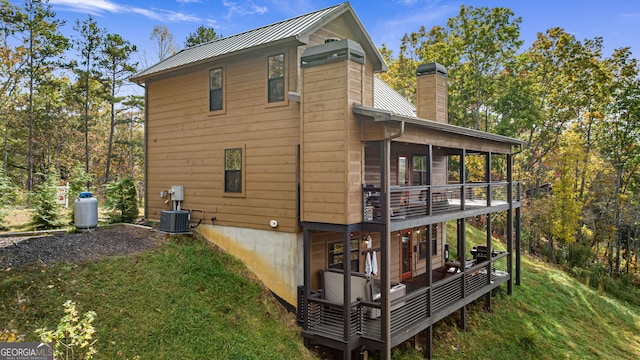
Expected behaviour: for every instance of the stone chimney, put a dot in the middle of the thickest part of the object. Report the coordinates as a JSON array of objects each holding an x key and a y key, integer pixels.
[{"x": 431, "y": 93}]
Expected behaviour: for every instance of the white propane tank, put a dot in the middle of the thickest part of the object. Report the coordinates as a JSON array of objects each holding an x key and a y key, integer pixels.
[{"x": 85, "y": 211}]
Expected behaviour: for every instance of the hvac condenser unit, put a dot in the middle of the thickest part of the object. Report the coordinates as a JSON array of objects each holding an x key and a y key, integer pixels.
[{"x": 174, "y": 221}]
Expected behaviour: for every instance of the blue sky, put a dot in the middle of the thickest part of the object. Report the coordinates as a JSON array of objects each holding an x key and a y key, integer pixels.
[{"x": 617, "y": 21}]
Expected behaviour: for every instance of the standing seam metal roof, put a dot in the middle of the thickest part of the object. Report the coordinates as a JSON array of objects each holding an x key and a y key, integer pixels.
[{"x": 294, "y": 27}]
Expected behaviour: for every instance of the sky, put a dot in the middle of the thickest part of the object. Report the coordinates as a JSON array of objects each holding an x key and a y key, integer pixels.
[{"x": 616, "y": 21}]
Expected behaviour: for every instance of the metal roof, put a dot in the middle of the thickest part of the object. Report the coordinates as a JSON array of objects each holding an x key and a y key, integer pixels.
[
  {"x": 386, "y": 115},
  {"x": 386, "y": 98},
  {"x": 298, "y": 28}
]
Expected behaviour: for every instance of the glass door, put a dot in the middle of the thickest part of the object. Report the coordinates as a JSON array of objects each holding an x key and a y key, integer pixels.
[{"x": 406, "y": 255}]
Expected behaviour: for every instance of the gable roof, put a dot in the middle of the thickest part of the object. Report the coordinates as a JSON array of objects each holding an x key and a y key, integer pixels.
[{"x": 298, "y": 28}]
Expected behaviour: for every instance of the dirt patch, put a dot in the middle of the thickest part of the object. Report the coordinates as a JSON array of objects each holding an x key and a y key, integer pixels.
[{"x": 77, "y": 247}]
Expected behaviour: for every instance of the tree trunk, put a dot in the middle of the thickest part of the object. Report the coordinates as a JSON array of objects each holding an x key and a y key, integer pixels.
[{"x": 111, "y": 130}]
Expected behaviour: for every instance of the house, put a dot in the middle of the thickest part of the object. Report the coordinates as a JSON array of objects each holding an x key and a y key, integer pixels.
[{"x": 292, "y": 155}]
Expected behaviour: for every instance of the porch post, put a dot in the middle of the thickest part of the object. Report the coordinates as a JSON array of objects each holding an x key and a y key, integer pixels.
[
  {"x": 462, "y": 229},
  {"x": 518, "y": 245},
  {"x": 510, "y": 223},
  {"x": 429, "y": 198},
  {"x": 463, "y": 189},
  {"x": 346, "y": 283},
  {"x": 307, "y": 278},
  {"x": 385, "y": 258},
  {"x": 488, "y": 178},
  {"x": 489, "y": 231}
]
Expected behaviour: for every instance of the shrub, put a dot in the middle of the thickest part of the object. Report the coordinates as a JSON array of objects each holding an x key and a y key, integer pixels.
[
  {"x": 47, "y": 211},
  {"x": 73, "y": 337},
  {"x": 122, "y": 200},
  {"x": 8, "y": 195}
]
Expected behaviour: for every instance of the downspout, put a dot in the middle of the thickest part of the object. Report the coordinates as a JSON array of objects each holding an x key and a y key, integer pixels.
[{"x": 385, "y": 282}]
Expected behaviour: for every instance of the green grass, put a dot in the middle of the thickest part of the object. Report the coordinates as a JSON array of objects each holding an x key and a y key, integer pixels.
[
  {"x": 183, "y": 300},
  {"x": 187, "y": 300}
]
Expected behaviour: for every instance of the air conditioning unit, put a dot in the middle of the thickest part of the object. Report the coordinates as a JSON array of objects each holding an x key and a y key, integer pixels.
[{"x": 174, "y": 221}]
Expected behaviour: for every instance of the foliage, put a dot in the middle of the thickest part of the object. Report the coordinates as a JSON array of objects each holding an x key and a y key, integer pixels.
[
  {"x": 73, "y": 337},
  {"x": 80, "y": 181},
  {"x": 163, "y": 41},
  {"x": 47, "y": 212},
  {"x": 116, "y": 60},
  {"x": 202, "y": 35},
  {"x": 122, "y": 200},
  {"x": 180, "y": 298}
]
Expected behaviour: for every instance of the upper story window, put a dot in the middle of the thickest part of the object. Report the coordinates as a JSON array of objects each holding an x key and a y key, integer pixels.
[
  {"x": 276, "y": 78},
  {"x": 233, "y": 170},
  {"x": 216, "y": 83}
]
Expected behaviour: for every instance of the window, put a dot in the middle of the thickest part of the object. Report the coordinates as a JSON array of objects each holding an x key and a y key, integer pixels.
[
  {"x": 434, "y": 238},
  {"x": 419, "y": 170},
  {"x": 422, "y": 241},
  {"x": 233, "y": 170},
  {"x": 336, "y": 255},
  {"x": 276, "y": 78},
  {"x": 216, "y": 78}
]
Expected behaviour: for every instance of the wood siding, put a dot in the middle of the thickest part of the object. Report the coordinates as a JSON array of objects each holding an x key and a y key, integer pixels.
[
  {"x": 331, "y": 147},
  {"x": 185, "y": 144}
]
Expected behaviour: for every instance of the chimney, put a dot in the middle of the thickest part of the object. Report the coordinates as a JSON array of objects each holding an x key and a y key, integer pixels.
[{"x": 431, "y": 92}]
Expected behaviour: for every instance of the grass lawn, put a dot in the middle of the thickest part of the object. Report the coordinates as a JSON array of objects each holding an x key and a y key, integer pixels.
[
  {"x": 183, "y": 300},
  {"x": 187, "y": 300}
]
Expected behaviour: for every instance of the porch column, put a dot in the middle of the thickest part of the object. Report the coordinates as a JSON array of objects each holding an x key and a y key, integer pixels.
[
  {"x": 488, "y": 177},
  {"x": 463, "y": 155},
  {"x": 385, "y": 257},
  {"x": 307, "y": 278},
  {"x": 518, "y": 219},
  {"x": 430, "y": 183},
  {"x": 489, "y": 238},
  {"x": 462, "y": 229},
  {"x": 510, "y": 223},
  {"x": 346, "y": 283}
]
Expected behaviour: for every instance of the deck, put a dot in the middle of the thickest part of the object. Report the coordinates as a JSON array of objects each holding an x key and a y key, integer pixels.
[
  {"x": 410, "y": 205},
  {"x": 422, "y": 306}
]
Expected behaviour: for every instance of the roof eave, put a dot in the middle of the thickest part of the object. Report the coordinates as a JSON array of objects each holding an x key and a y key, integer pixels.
[
  {"x": 385, "y": 116},
  {"x": 141, "y": 79}
]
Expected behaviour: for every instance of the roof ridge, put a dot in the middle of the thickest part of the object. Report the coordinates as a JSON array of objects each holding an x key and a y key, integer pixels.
[{"x": 266, "y": 26}]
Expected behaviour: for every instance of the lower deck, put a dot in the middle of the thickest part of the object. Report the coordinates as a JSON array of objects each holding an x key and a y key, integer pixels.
[{"x": 421, "y": 306}]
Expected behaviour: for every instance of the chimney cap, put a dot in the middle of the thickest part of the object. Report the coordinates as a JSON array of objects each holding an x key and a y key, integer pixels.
[{"x": 431, "y": 68}]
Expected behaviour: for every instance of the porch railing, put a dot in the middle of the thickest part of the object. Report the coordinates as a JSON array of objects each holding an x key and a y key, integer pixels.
[
  {"x": 418, "y": 201},
  {"x": 326, "y": 319}
]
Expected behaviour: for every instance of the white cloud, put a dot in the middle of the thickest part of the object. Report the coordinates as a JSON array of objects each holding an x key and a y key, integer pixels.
[
  {"x": 243, "y": 9},
  {"x": 100, "y": 7}
]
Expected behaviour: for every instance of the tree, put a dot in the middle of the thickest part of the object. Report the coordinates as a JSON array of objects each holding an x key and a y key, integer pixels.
[
  {"x": 122, "y": 200},
  {"x": 46, "y": 213},
  {"x": 619, "y": 135},
  {"x": 200, "y": 36},
  {"x": 116, "y": 60},
  {"x": 43, "y": 44},
  {"x": 163, "y": 41},
  {"x": 88, "y": 43}
]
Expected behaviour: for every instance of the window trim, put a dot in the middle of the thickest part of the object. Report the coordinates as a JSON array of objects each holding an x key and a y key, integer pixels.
[
  {"x": 243, "y": 177},
  {"x": 224, "y": 91},
  {"x": 285, "y": 79}
]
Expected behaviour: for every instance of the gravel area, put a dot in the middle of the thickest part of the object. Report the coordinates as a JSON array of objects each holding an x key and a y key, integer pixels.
[{"x": 86, "y": 246}]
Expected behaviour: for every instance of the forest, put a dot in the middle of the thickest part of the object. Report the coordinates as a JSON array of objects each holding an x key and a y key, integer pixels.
[{"x": 64, "y": 112}]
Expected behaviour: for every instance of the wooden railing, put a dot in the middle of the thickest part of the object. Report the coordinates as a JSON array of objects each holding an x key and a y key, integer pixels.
[
  {"x": 408, "y": 202},
  {"x": 326, "y": 319}
]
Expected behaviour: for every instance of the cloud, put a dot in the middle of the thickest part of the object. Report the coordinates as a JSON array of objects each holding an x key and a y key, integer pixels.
[
  {"x": 100, "y": 7},
  {"x": 243, "y": 9}
]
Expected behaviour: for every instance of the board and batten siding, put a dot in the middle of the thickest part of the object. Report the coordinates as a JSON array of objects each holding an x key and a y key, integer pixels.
[{"x": 186, "y": 143}]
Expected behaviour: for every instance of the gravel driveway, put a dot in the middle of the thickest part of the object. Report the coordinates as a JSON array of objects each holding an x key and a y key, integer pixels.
[{"x": 77, "y": 247}]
